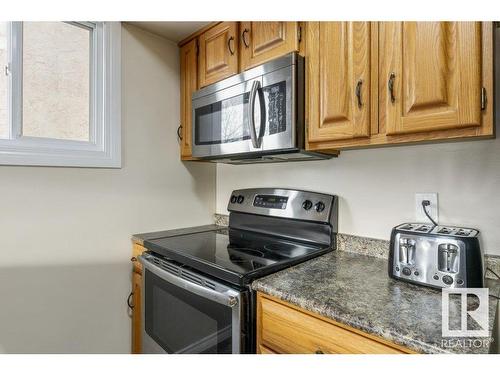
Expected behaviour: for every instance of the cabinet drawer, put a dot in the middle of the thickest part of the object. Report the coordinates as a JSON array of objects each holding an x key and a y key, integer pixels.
[{"x": 284, "y": 329}]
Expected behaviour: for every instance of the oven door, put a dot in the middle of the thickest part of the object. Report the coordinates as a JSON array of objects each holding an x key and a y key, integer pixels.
[{"x": 187, "y": 313}]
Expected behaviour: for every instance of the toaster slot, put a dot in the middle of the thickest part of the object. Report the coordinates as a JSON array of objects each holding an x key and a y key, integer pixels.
[
  {"x": 424, "y": 228},
  {"x": 448, "y": 258},
  {"x": 463, "y": 232},
  {"x": 445, "y": 230},
  {"x": 406, "y": 250}
]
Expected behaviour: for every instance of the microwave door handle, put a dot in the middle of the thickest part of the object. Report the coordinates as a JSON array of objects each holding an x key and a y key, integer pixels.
[
  {"x": 228, "y": 297},
  {"x": 251, "y": 113},
  {"x": 262, "y": 117}
]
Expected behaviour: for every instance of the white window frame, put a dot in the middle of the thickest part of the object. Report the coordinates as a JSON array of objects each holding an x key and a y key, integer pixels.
[{"x": 103, "y": 150}]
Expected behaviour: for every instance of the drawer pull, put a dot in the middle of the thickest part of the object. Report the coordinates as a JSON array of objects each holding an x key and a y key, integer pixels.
[
  {"x": 358, "y": 93},
  {"x": 179, "y": 135},
  {"x": 231, "y": 50},
  {"x": 129, "y": 300},
  {"x": 133, "y": 259},
  {"x": 390, "y": 86},
  {"x": 319, "y": 351},
  {"x": 243, "y": 38}
]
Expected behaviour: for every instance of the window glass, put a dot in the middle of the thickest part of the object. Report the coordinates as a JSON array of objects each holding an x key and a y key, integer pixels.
[
  {"x": 4, "y": 82},
  {"x": 56, "y": 80}
]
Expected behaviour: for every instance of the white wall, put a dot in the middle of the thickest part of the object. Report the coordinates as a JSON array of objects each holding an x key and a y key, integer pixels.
[
  {"x": 377, "y": 187},
  {"x": 65, "y": 232}
]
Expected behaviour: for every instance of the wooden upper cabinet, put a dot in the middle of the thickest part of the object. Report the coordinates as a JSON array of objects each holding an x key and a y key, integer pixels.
[
  {"x": 218, "y": 57},
  {"x": 189, "y": 84},
  {"x": 430, "y": 76},
  {"x": 338, "y": 80},
  {"x": 264, "y": 41}
]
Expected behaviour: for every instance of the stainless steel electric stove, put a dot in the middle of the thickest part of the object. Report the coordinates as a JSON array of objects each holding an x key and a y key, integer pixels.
[{"x": 196, "y": 294}]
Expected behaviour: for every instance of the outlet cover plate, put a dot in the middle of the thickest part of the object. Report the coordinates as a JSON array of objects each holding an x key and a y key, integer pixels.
[{"x": 432, "y": 209}]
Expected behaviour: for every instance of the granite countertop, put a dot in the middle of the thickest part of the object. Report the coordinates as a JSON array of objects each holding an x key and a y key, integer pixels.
[{"x": 356, "y": 290}]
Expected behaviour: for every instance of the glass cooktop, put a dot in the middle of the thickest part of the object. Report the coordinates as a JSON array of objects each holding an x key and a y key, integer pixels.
[{"x": 232, "y": 255}]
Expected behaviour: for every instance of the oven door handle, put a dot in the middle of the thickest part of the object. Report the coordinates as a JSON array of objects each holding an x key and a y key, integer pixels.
[
  {"x": 256, "y": 140},
  {"x": 227, "y": 297}
]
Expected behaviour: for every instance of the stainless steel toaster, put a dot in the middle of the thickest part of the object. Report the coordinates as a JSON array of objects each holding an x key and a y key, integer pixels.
[{"x": 436, "y": 256}]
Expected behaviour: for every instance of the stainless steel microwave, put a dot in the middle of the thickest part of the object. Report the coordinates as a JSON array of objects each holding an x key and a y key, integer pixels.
[{"x": 255, "y": 116}]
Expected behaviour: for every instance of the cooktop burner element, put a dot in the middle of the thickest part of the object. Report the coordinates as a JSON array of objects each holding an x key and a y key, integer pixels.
[{"x": 262, "y": 237}]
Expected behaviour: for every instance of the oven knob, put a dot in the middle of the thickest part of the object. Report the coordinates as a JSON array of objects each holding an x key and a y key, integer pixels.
[
  {"x": 307, "y": 204},
  {"x": 406, "y": 271},
  {"x": 448, "y": 280},
  {"x": 233, "y": 198},
  {"x": 320, "y": 206},
  {"x": 240, "y": 199}
]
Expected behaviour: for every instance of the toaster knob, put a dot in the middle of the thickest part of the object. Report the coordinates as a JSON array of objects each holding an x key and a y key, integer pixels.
[
  {"x": 406, "y": 271},
  {"x": 448, "y": 280}
]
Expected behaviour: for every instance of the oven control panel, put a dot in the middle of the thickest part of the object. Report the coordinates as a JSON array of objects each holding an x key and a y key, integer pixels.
[
  {"x": 270, "y": 201},
  {"x": 288, "y": 203}
]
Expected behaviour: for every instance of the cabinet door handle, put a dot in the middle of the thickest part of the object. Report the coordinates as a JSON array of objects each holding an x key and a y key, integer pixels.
[
  {"x": 129, "y": 302},
  {"x": 133, "y": 259},
  {"x": 231, "y": 50},
  {"x": 244, "y": 39},
  {"x": 179, "y": 135},
  {"x": 390, "y": 85},
  {"x": 358, "y": 93}
]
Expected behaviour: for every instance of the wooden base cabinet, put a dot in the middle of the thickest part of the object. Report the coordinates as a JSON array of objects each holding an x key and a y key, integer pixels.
[
  {"x": 421, "y": 81},
  {"x": 287, "y": 329},
  {"x": 135, "y": 299}
]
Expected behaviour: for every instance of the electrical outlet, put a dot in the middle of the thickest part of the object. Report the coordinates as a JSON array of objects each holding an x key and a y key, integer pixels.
[{"x": 420, "y": 216}]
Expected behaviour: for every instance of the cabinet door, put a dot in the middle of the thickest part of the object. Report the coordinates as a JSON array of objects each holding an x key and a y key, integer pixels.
[
  {"x": 136, "y": 312},
  {"x": 189, "y": 84},
  {"x": 284, "y": 328},
  {"x": 338, "y": 80},
  {"x": 264, "y": 41},
  {"x": 430, "y": 76},
  {"x": 218, "y": 53}
]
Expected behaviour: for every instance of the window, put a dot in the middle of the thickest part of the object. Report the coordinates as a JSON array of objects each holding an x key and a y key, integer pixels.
[
  {"x": 60, "y": 94},
  {"x": 4, "y": 83}
]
